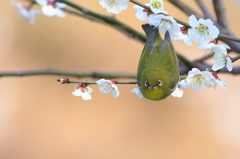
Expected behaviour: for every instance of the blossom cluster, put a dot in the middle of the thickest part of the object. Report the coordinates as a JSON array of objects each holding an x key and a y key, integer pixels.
[
  {"x": 49, "y": 8},
  {"x": 203, "y": 31},
  {"x": 82, "y": 89}
]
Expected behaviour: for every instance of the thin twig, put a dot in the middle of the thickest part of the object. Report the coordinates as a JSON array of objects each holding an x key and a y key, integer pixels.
[
  {"x": 205, "y": 11},
  {"x": 220, "y": 13},
  {"x": 87, "y": 82},
  {"x": 124, "y": 28},
  {"x": 185, "y": 8},
  {"x": 187, "y": 62},
  {"x": 202, "y": 58},
  {"x": 49, "y": 71}
]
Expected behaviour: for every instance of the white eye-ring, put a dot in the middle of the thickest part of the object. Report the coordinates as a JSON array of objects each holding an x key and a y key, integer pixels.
[
  {"x": 146, "y": 83},
  {"x": 159, "y": 83}
]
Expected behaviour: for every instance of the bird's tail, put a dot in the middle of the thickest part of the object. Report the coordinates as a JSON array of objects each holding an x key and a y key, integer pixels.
[{"x": 151, "y": 32}]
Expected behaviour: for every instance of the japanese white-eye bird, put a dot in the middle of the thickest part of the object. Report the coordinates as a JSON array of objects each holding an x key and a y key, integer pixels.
[{"x": 158, "y": 70}]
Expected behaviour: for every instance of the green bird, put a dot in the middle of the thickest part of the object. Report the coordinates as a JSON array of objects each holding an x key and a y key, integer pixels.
[{"x": 158, "y": 70}]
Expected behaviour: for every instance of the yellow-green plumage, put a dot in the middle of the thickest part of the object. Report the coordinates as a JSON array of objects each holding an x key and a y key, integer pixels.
[{"x": 158, "y": 70}]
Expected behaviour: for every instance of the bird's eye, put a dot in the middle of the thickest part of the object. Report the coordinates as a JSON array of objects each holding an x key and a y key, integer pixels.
[
  {"x": 159, "y": 83},
  {"x": 146, "y": 83}
]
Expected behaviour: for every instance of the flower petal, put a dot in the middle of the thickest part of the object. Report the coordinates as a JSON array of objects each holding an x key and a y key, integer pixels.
[
  {"x": 59, "y": 13},
  {"x": 177, "y": 93},
  {"x": 86, "y": 96},
  {"x": 77, "y": 92},
  {"x": 229, "y": 64}
]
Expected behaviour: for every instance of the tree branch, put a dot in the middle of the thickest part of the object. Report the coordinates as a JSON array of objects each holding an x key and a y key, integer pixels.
[
  {"x": 185, "y": 8},
  {"x": 205, "y": 11},
  {"x": 87, "y": 82},
  {"x": 220, "y": 13},
  {"x": 48, "y": 71}
]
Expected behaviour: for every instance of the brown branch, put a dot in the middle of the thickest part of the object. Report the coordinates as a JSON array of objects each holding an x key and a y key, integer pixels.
[
  {"x": 205, "y": 11},
  {"x": 48, "y": 71},
  {"x": 220, "y": 13},
  {"x": 185, "y": 8}
]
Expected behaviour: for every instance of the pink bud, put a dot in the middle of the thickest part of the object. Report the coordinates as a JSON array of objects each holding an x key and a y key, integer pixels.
[
  {"x": 64, "y": 79},
  {"x": 114, "y": 81},
  {"x": 215, "y": 41},
  {"x": 145, "y": 10},
  {"x": 184, "y": 30}
]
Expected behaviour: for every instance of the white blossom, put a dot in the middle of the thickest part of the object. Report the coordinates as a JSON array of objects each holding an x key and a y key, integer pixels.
[
  {"x": 83, "y": 91},
  {"x": 177, "y": 92},
  {"x": 221, "y": 60},
  {"x": 202, "y": 30},
  {"x": 219, "y": 81},
  {"x": 165, "y": 23},
  {"x": 219, "y": 52},
  {"x": 156, "y": 6},
  {"x": 183, "y": 35},
  {"x": 52, "y": 8},
  {"x": 138, "y": 93},
  {"x": 114, "y": 6},
  {"x": 25, "y": 12},
  {"x": 200, "y": 79},
  {"x": 184, "y": 84},
  {"x": 142, "y": 13},
  {"x": 107, "y": 86},
  {"x": 216, "y": 48}
]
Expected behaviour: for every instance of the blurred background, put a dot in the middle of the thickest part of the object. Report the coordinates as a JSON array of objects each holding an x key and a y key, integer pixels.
[{"x": 40, "y": 118}]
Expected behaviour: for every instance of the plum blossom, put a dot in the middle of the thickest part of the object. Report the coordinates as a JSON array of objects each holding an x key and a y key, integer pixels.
[
  {"x": 178, "y": 92},
  {"x": 138, "y": 93},
  {"x": 219, "y": 52},
  {"x": 52, "y": 8},
  {"x": 114, "y": 6},
  {"x": 156, "y": 6},
  {"x": 165, "y": 23},
  {"x": 221, "y": 60},
  {"x": 202, "y": 30},
  {"x": 200, "y": 79},
  {"x": 83, "y": 91},
  {"x": 142, "y": 13},
  {"x": 25, "y": 11},
  {"x": 107, "y": 86},
  {"x": 183, "y": 35},
  {"x": 219, "y": 81}
]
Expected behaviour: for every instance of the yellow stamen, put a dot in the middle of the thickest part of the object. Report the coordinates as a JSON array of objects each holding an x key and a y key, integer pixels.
[{"x": 156, "y": 4}]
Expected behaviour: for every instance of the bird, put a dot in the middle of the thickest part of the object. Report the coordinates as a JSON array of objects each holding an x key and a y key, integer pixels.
[{"x": 158, "y": 69}]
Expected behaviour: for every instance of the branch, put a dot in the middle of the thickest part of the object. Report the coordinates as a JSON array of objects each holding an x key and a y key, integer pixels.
[
  {"x": 110, "y": 20},
  {"x": 187, "y": 62},
  {"x": 87, "y": 82},
  {"x": 86, "y": 13},
  {"x": 185, "y": 8},
  {"x": 181, "y": 57},
  {"x": 205, "y": 11},
  {"x": 49, "y": 71},
  {"x": 220, "y": 13}
]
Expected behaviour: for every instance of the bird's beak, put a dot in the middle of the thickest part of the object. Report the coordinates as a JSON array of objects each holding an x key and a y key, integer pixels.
[{"x": 152, "y": 85}]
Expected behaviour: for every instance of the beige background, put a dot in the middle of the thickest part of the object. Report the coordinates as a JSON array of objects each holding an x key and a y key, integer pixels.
[{"x": 39, "y": 118}]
